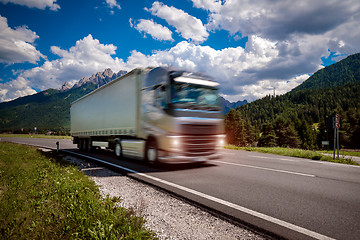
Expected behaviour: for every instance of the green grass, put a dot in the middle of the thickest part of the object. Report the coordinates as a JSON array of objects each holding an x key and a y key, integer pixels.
[
  {"x": 343, "y": 153},
  {"x": 44, "y": 198},
  {"x": 35, "y": 136},
  {"x": 294, "y": 152}
]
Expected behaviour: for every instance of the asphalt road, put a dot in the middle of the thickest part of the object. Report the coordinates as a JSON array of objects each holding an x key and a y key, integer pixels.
[{"x": 291, "y": 197}]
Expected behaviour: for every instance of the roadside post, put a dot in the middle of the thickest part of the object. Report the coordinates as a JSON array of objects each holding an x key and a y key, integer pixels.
[
  {"x": 57, "y": 146},
  {"x": 336, "y": 126}
]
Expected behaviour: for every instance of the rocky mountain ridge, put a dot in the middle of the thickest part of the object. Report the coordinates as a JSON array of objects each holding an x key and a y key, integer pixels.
[{"x": 99, "y": 79}]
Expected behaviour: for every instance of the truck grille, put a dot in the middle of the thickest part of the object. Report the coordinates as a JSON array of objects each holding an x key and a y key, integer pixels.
[
  {"x": 202, "y": 145},
  {"x": 198, "y": 129}
]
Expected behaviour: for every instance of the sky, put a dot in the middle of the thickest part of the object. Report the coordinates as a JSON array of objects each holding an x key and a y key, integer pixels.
[{"x": 249, "y": 46}]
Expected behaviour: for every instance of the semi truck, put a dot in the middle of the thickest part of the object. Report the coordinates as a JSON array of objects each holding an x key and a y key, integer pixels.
[{"x": 153, "y": 114}]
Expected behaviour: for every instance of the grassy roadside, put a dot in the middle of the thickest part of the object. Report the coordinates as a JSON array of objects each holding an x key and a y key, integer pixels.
[
  {"x": 343, "y": 153},
  {"x": 35, "y": 136},
  {"x": 43, "y": 198},
  {"x": 294, "y": 153}
]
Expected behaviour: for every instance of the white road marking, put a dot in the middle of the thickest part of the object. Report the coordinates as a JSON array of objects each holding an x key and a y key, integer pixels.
[
  {"x": 282, "y": 223},
  {"x": 282, "y": 159},
  {"x": 267, "y": 169},
  {"x": 286, "y": 159}
]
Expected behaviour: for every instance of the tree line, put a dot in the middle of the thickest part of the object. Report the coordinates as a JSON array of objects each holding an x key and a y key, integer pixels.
[{"x": 301, "y": 119}]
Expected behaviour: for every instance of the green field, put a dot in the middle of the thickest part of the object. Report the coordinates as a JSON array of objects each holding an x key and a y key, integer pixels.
[
  {"x": 43, "y": 197},
  {"x": 295, "y": 152}
]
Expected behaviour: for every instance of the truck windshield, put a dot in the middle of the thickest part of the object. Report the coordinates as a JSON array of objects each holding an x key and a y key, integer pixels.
[{"x": 193, "y": 96}]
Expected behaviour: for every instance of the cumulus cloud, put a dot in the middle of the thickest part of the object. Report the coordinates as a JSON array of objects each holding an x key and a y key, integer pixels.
[
  {"x": 41, "y": 4},
  {"x": 277, "y": 19},
  {"x": 156, "y": 31},
  {"x": 17, "y": 45},
  {"x": 288, "y": 21},
  {"x": 113, "y": 4},
  {"x": 232, "y": 67},
  {"x": 88, "y": 56},
  {"x": 187, "y": 26},
  {"x": 298, "y": 35},
  {"x": 14, "y": 89}
]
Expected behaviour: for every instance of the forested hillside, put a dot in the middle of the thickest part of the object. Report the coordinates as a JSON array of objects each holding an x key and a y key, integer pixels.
[
  {"x": 303, "y": 117},
  {"x": 346, "y": 71},
  {"x": 47, "y": 110}
]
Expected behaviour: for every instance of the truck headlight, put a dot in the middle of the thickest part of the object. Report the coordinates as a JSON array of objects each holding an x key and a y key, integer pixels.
[
  {"x": 175, "y": 142},
  {"x": 221, "y": 141}
]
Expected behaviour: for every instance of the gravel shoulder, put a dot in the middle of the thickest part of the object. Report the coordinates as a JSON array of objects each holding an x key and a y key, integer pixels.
[{"x": 168, "y": 216}]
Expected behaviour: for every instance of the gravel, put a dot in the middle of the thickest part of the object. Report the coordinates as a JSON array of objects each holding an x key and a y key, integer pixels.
[{"x": 168, "y": 216}]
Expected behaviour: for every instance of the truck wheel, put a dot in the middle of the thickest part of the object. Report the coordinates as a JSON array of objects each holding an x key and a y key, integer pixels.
[
  {"x": 88, "y": 145},
  {"x": 84, "y": 145},
  {"x": 118, "y": 149},
  {"x": 151, "y": 152},
  {"x": 81, "y": 144}
]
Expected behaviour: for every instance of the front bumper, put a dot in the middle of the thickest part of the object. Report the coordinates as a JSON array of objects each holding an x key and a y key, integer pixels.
[{"x": 179, "y": 159}]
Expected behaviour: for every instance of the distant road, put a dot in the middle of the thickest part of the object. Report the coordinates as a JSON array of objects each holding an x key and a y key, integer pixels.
[{"x": 292, "y": 197}]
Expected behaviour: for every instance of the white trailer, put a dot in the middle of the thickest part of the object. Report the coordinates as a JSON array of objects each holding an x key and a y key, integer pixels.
[{"x": 155, "y": 114}]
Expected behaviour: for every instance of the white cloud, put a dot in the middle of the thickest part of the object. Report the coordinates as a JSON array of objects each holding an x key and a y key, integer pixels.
[
  {"x": 113, "y": 4},
  {"x": 232, "y": 67},
  {"x": 299, "y": 33},
  {"x": 87, "y": 57},
  {"x": 14, "y": 89},
  {"x": 17, "y": 45},
  {"x": 229, "y": 66},
  {"x": 292, "y": 22},
  {"x": 156, "y": 31},
  {"x": 278, "y": 19},
  {"x": 210, "y": 5},
  {"x": 186, "y": 25},
  {"x": 41, "y": 4}
]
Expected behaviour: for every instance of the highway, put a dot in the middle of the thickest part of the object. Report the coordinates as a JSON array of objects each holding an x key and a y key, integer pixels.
[{"x": 291, "y": 197}]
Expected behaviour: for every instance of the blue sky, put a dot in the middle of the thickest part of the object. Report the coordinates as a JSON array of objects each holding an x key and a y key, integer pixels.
[{"x": 249, "y": 46}]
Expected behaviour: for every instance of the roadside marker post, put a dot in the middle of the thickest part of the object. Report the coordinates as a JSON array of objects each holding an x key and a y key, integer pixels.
[{"x": 336, "y": 126}]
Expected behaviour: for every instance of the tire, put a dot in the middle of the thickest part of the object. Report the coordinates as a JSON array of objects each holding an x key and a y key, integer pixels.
[
  {"x": 81, "y": 144},
  {"x": 151, "y": 152},
  {"x": 88, "y": 145},
  {"x": 84, "y": 145},
  {"x": 118, "y": 149}
]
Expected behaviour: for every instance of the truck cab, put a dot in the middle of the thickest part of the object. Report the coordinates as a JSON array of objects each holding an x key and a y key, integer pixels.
[{"x": 182, "y": 116}]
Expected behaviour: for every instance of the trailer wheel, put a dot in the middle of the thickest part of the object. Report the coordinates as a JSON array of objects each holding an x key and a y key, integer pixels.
[
  {"x": 151, "y": 152},
  {"x": 118, "y": 149}
]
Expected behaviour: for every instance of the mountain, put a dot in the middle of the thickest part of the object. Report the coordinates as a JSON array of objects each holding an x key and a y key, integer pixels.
[
  {"x": 50, "y": 109},
  {"x": 303, "y": 116},
  {"x": 346, "y": 71},
  {"x": 100, "y": 78},
  {"x": 229, "y": 105}
]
